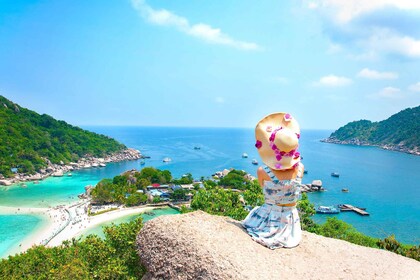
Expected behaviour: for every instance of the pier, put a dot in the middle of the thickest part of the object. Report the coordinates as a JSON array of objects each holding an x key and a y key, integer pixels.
[{"x": 358, "y": 210}]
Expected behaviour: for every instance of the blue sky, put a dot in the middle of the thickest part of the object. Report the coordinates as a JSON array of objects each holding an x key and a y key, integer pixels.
[{"x": 212, "y": 63}]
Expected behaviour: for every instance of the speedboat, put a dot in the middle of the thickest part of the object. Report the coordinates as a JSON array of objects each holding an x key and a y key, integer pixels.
[
  {"x": 167, "y": 159},
  {"x": 142, "y": 162},
  {"x": 254, "y": 161},
  {"x": 244, "y": 155},
  {"x": 327, "y": 210},
  {"x": 335, "y": 174}
]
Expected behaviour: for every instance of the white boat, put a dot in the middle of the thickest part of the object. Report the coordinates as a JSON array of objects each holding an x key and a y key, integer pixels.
[
  {"x": 102, "y": 165},
  {"x": 167, "y": 159},
  {"x": 255, "y": 162},
  {"x": 69, "y": 174},
  {"x": 244, "y": 155},
  {"x": 95, "y": 165}
]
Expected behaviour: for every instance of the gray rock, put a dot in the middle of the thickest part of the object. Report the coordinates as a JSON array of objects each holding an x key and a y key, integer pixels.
[{"x": 201, "y": 246}]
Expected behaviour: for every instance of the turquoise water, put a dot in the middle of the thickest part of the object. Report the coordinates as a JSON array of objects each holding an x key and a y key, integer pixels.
[
  {"x": 98, "y": 230},
  {"x": 14, "y": 228},
  {"x": 385, "y": 182}
]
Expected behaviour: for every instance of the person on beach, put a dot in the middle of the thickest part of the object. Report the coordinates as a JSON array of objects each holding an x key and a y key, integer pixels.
[{"x": 276, "y": 223}]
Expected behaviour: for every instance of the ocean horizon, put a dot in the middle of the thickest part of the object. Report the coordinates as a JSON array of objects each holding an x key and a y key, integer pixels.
[{"x": 384, "y": 182}]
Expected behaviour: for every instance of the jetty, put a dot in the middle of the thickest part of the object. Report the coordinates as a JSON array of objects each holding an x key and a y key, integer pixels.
[{"x": 358, "y": 210}]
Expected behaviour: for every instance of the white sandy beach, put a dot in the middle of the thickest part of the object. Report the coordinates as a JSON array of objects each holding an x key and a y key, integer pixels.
[{"x": 64, "y": 223}]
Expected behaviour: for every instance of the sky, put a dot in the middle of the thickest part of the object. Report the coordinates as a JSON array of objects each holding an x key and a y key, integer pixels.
[{"x": 217, "y": 63}]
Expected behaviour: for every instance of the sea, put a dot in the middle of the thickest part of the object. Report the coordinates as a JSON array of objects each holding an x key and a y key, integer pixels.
[{"x": 386, "y": 183}]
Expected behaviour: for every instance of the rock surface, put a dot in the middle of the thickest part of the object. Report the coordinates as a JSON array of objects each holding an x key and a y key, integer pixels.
[{"x": 201, "y": 246}]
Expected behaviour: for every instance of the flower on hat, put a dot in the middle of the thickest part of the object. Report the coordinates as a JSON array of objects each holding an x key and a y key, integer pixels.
[
  {"x": 288, "y": 117},
  {"x": 278, "y": 166},
  {"x": 258, "y": 144},
  {"x": 269, "y": 128}
]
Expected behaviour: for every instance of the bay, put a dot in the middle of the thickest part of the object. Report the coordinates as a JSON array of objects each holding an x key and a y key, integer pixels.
[{"x": 385, "y": 182}]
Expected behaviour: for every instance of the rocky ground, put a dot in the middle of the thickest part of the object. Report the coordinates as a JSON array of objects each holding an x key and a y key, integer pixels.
[
  {"x": 201, "y": 246},
  {"x": 59, "y": 170}
]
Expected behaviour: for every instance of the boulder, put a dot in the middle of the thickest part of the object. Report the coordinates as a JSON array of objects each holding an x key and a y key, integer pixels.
[
  {"x": 5, "y": 182},
  {"x": 201, "y": 246}
]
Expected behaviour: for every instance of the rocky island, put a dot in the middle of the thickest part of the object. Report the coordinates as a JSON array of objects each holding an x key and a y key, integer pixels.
[{"x": 400, "y": 132}]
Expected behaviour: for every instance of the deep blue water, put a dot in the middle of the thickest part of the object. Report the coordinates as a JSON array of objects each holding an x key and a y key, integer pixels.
[{"x": 385, "y": 182}]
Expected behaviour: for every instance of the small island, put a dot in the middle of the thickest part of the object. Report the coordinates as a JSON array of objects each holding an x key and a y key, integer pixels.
[{"x": 400, "y": 132}]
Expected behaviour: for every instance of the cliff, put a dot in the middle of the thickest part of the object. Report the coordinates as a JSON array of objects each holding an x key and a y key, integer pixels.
[{"x": 201, "y": 246}]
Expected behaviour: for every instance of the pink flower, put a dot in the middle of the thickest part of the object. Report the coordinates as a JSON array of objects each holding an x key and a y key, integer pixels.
[
  {"x": 269, "y": 128},
  {"x": 274, "y": 147},
  {"x": 288, "y": 117},
  {"x": 297, "y": 135},
  {"x": 272, "y": 137},
  {"x": 258, "y": 144},
  {"x": 282, "y": 153},
  {"x": 278, "y": 157},
  {"x": 297, "y": 155},
  {"x": 278, "y": 166},
  {"x": 296, "y": 165}
]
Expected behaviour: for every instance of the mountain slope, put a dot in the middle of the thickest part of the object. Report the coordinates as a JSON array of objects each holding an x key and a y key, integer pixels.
[
  {"x": 400, "y": 132},
  {"x": 27, "y": 139}
]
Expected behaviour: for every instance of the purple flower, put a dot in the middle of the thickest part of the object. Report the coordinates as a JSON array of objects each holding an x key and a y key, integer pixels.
[
  {"x": 258, "y": 144},
  {"x": 272, "y": 137},
  {"x": 296, "y": 165},
  {"x": 288, "y": 117},
  {"x": 296, "y": 155},
  {"x": 274, "y": 147},
  {"x": 297, "y": 135},
  {"x": 278, "y": 166},
  {"x": 278, "y": 157},
  {"x": 282, "y": 153}
]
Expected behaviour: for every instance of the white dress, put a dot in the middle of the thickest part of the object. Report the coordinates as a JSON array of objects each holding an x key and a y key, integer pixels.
[{"x": 277, "y": 226}]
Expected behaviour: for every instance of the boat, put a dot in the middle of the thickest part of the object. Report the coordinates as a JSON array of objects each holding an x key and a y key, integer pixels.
[
  {"x": 327, "y": 210},
  {"x": 335, "y": 174},
  {"x": 244, "y": 155},
  {"x": 142, "y": 162},
  {"x": 102, "y": 165},
  {"x": 254, "y": 161},
  {"x": 345, "y": 190},
  {"x": 69, "y": 174},
  {"x": 305, "y": 172},
  {"x": 197, "y": 148},
  {"x": 167, "y": 159},
  {"x": 22, "y": 185}
]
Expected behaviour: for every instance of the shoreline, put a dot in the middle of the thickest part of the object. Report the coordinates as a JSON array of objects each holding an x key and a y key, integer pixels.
[
  {"x": 60, "y": 170},
  {"x": 64, "y": 223},
  {"x": 357, "y": 142}
]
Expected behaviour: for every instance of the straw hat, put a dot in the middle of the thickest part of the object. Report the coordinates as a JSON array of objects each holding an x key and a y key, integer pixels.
[{"x": 277, "y": 138}]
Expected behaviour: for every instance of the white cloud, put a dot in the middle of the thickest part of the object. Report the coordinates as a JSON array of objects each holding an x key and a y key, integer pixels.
[
  {"x": 373, "y": 74},
  {"x": 390, "y": 92},
  {"x": 389, "y": 42},
  {"x": 333, "y": 81},
  {"x": 201, "y": 31},
  {"x": 373, "y": 27},
  {"x": 415, "y": 87},
  {"x": 219, "y": 100},
  {"x": 345, "y": 10}
]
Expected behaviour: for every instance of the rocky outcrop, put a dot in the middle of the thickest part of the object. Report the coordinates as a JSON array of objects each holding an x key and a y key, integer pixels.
[{"x": 201, "y": 246}]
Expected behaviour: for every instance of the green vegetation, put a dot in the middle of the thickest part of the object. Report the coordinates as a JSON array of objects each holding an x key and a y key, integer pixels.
[
  {"x": 27, "y": 139},
  {"x": 114, "y": 257},
  {"x": 124, "y": 188},
  {"x": 103, "y": 211},
  {"x": 400, "y": 130},
  {"x": 223, "y": 201}
]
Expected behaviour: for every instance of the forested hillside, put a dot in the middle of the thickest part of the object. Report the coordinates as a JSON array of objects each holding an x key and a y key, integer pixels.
[
  {"x": 28, "y": 138},
  {"x": 399, "y": 132}
]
